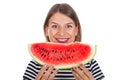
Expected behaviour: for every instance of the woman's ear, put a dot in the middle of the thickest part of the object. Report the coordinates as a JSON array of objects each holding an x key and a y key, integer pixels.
[
  {"x": 46, "y": 31},
  {"x": 76, "y": 30}
]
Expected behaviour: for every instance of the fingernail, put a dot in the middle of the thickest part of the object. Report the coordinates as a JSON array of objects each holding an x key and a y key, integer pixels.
[
  {"x": 46, "y": 65},
  {"x": 72, "y": 69},
  {"x": 81, "y": 64}
]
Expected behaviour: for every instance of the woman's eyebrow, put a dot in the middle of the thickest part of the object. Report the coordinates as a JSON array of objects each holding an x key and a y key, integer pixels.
[
  {"x": 70, "y": 23},
  {"x": 66, "y": 23},
  {"x": 53, "y": 23}
]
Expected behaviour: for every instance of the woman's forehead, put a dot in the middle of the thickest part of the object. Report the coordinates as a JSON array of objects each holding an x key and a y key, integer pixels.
[{"x": 60, "y": 18}]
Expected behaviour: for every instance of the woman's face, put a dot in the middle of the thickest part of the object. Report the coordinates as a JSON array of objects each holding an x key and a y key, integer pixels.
[{"x": 61, "y": 29}]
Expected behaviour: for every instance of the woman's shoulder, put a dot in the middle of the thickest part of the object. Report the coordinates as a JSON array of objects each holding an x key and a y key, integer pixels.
[
  {"x": 92, "y": 65},
  {"x": 31, "y": 70},
  {"x": 95, "y": 69},
  {"x": 34, "y": 63},
  {"x": 93, "y": 61}
]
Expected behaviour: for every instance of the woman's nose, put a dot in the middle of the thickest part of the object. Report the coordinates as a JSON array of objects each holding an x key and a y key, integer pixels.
[{"x": 61, "y": 31}]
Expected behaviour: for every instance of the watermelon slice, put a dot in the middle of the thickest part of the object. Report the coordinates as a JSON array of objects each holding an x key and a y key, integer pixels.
[{"x": 62, "y": 56}]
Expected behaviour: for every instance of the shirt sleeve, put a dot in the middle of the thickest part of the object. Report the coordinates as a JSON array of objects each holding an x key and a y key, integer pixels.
[
  {"x": 31, "y": 70},
  {"x": 95, "y": 70}
]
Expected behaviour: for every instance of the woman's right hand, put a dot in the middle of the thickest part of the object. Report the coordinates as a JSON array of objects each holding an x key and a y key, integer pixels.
[{"x": 47, "y": 72}]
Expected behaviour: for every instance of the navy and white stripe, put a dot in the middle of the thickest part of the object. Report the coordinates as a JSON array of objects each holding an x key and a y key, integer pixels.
[
  {"x": 94, "y": 68},
  {"x": 33, "y": 69}
]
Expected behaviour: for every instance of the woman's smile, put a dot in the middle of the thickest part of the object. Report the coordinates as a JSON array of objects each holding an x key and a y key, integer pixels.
[{"x": 62, "y": 40}]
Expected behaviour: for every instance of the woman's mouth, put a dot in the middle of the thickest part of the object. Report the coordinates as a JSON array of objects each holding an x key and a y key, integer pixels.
[{"x": 62, "y": 40}]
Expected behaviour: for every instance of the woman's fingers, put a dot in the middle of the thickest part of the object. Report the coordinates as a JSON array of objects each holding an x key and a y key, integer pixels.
[
  {"x": 52, "y": 75},
  {"x": 77, "y": 77},
  {"x": 40, "y": 74},
  {"x": 82, "y": 73},
  {"x": 47, "y": 72},
  {"x": 86, "y": 72}
]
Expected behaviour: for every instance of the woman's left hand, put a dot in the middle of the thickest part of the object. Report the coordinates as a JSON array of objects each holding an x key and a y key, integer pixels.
[{"x": 82, "y": 73}]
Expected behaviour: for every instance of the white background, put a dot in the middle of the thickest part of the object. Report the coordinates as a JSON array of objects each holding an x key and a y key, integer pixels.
[{"x": 21, "y": 22}]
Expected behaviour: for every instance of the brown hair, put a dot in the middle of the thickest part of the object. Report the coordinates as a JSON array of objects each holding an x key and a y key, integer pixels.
[{"x": 66, "y": 10}]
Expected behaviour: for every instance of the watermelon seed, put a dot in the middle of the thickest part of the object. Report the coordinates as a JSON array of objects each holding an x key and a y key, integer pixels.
[
  {"x": 72, "y": 57},
  {"x": 73, "y": 50},
  {"x": 57, "y": 59},
  {"x": 38, "y": 49},
  {"x": 67, "y": 50},
  {"x": 42, "y": 54},
  {"x": 42, "y": 48},
  {"x": 45, "y": 51},
  {"x": 55, "y": 51},
  {"x": 61, "y": 59},
  {"x": 60, "y": 51},
  {"x": 52, "y": 50},
  {"x": 69, "y": 57}
]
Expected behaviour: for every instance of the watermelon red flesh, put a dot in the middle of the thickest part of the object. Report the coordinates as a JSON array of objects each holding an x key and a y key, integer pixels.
[{"x": 65, "y": 55}]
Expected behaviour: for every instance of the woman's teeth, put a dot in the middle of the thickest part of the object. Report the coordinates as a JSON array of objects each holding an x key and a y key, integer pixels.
[{"x": 62, "y": 40}]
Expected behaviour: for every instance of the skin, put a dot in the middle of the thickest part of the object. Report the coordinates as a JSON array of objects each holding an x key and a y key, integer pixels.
[
  {"x": 61, "y": 29},
  {"x": 81, "y": 73},
  {"x": 47, "y": 72}
]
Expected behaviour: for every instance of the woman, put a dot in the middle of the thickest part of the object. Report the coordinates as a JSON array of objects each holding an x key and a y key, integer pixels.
[{"x": 62, "y": 26}]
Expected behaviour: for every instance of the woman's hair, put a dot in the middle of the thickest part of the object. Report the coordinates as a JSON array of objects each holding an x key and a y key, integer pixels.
[{"x": 66, "y": 10}]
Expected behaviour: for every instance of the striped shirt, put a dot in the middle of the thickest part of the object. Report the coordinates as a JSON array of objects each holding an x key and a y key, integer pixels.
[{"x": 33, "y": 69}]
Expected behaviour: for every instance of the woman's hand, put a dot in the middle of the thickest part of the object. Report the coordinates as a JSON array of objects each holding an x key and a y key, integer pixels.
[
  {"x": 47, "y": 72},
  {"x": 82, "y": 73}
]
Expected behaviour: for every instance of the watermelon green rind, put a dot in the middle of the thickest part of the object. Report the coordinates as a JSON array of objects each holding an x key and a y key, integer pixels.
[
  {"x": 94, "y": 50},
  {"x": 36, "y": 60},
  {"x": 67, "y": 66}
]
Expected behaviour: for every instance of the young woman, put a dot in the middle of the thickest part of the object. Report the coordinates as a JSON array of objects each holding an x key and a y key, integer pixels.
[{"x": 62, "y": 26}]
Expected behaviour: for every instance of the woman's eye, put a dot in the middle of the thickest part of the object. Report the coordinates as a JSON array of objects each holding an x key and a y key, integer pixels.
[
  {"x": 54, "y": 26},
  {"x": 69, "y": 26}
]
